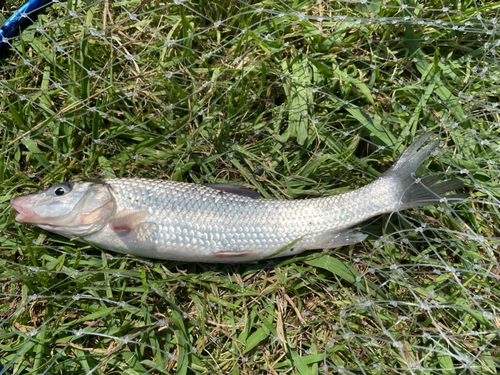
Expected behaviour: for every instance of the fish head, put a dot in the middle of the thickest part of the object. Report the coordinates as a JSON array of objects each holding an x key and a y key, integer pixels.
[{"x": 72, "y": 209}]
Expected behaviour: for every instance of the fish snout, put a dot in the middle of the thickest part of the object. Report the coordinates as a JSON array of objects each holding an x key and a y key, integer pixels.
[{"x": 22, "y": 206}]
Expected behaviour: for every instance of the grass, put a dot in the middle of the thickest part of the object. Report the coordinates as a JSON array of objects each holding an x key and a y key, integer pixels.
[{"x": 294, "y": 106}]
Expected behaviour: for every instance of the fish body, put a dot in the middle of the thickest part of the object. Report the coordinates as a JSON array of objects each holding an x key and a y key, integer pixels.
[
  {"x": 182, "y": 221},
  {"x": 193, "y": 222}
]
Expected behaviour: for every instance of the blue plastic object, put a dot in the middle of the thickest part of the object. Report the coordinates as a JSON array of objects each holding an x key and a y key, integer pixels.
[{"x": 24, "y": 15}]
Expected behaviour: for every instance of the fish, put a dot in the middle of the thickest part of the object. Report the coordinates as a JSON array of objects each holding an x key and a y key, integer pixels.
[{"x": 181, "y": 221}]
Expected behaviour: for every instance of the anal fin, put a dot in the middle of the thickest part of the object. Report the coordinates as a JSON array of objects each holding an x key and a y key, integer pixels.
[{"x": 348, "y": 237}]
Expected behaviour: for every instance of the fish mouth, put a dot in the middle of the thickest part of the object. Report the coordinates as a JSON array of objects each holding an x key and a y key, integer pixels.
[{"x": 25, "y": 214}]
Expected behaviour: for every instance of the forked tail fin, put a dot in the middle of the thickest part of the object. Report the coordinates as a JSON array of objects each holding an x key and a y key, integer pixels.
[{"x": 421, "y": 190}]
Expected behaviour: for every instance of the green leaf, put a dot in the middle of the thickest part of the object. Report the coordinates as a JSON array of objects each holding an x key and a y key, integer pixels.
[
  {"x": 95, "y": 315},
  {"x": 364, "y": 89},
  {"x": 284, "y": 248},
  {"x": 299, "y": 95},
  {"x": 347, "y": 273},
  {"x": 446, "y": 363},
  {"x": 299, "y": 362},
  {"x": 256, "y": 338},
  {"x": 35, "y": 151},
  {"x": 376, "y": 128}
]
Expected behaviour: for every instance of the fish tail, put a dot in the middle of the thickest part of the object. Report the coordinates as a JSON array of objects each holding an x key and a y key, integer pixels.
[{"x": 417, "y": 190}]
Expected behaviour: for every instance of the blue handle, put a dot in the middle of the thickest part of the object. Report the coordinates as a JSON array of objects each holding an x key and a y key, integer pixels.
[{"x": 14, "y": 22}]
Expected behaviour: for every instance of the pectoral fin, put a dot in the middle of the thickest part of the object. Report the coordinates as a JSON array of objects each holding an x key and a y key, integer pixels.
[{"x": 127, "y": 220}]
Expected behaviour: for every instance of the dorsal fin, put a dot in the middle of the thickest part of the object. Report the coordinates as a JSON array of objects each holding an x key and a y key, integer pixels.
[{"x": 235, "y": 189}]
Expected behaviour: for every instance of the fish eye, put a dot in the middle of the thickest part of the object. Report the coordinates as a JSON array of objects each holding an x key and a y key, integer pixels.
[
  {"x": 63, "y": 188},
  {"x": 60, "y": 191}
]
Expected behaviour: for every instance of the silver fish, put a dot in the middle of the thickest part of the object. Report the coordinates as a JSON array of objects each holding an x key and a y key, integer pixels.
[{"x": 194, "y": 222}]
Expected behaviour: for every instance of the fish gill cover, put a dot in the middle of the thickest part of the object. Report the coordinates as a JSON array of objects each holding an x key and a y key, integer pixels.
[{"x": 295, "y": 99}]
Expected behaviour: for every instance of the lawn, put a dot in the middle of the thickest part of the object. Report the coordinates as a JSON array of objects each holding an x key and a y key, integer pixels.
[{"x": 297, "y": 99}]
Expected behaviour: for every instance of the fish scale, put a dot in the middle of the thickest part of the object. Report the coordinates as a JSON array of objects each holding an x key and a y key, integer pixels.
[{"x": 193, "y": 222}]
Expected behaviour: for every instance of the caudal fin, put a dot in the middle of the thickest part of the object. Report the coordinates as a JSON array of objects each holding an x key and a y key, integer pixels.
[{"x": 421, "y": 190}]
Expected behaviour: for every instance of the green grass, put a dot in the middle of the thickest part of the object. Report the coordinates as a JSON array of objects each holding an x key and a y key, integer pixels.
[{"x": 293, "y": 106}]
